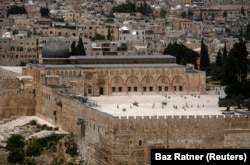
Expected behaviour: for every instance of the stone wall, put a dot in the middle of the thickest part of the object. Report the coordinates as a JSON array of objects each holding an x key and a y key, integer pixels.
[
  {"x": 105, "y": 139},
  {"x": 13, "y": 100},
  {"x": 16, "y": 103},
  {"x": 237, "y": 138}
]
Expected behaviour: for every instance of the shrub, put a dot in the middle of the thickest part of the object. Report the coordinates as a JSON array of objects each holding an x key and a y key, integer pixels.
[
  {"x": 15, "y": 142},
  {"x": 33, "y": 122},
  {"x": 16, "y": 156},
  {"x": 34, "y": 149},
  {"x": 72, "y": 150}
]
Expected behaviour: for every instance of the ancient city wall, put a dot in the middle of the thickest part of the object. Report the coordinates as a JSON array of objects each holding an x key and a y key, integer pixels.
[
  {"x": 137, "y": 135},
  {"x": 16, "y": 103},
  {"x": 13, "y": 100},
  {"x": 96, "y": 131},
  {"x": 105, "y": 139}
]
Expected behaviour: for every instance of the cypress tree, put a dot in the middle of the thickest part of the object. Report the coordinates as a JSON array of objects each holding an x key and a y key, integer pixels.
[
  {"x": 218, "y": 59},
  {"x": 73, "y": 47},
  {"x": 235, "y": 64},
  {"x": 79, "y": 50},
  {"x": 204, "y": 57},
  {"x": 224, "y": 51},
  {"x": 109, "y": 34}
]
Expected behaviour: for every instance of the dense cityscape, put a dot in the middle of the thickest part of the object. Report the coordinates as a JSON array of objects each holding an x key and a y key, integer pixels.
[{"x": 105, "y": 81}]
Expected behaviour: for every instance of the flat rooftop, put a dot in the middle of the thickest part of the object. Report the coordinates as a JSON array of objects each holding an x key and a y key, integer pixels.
[
  {"x": 153, "y": 105},
  {"x": 14, "y": 69}
]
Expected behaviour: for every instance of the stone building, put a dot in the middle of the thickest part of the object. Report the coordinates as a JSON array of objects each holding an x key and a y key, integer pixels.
[{"x": 111, "y": 75}]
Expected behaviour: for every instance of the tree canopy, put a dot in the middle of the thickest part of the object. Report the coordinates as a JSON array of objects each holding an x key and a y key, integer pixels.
[
  {"x": 183, "y": 54},
  {"x": 131, "y": 7},
  {"x": 79, "y": 49},
  {"x": 235, "y": 64},
  {"x": 204, "y": 57},
  {"x": 16, "y": 10},
  {"x": 98, "y": 37},
  {"x": 44, "y": 12}
]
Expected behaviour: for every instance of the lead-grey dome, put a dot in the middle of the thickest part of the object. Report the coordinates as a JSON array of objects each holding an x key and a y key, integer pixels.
[{"x": 55, "y": 48}]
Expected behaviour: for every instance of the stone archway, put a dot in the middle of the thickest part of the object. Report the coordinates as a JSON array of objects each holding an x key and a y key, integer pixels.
[
  {"x": 163, "y": 84},
  {"x": 178, "y": 83},
  {"x": 148, "y": 84},
  {"x": 132, "y": 84},
  {"x": 117, "y": 84}
]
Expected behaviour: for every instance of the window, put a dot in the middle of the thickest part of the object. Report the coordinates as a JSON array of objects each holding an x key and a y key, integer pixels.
[
  {"x": 113, "y": 89},
  {"x": 120, "y": 89},
  {"x": 166, "y": 88},
  {"x": 150, "y": 88},
  {"x": 159, "y": 88},
  {"x": 144, "y": 89},
  {"x": 129, "y": 89},
  {"x": 89, "y": 91},
  {"x": 174, "y": 88},
  {"x": 135, "y": 89},
  {"x": 140, "y": 142}
]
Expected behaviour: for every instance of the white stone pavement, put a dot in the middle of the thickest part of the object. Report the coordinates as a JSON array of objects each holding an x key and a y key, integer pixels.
[{"x": 151, "y": 105}]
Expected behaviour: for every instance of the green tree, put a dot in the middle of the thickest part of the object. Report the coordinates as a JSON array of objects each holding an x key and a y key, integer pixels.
[
  {"x": 16, "y": 10},
  {"x": 15, "y": 141},
  {"x": 247, "y": 104},
  {"x": 98, "y": 37},
  {"x": 124, "y": 8},
  {"x": 235, "y": 65},
  {"x": 44, "y": 12},
  {"x": 216, "y": 72},
  {"x": 190, "y": 13},
  {"x": 16, "y": 156},
  {"x": 226, "y": 103},
  {"x": 145, "y": 10},
  {"x": 183, "y": 14},
  {"x": 34, "y": 148},
  {"x": 80, "y": 50},
  {"x": 204, "y": 58},
  {"x": 218, "y": 59},
  {"x": 242, "y": 11},
  {"x": 239, "y": 99},
  {"x": 247, "y": 33},
  {"x": 183, "y": 54},
  {"x": 238, "y": 88},
  {"x": 163, "y": 13},
  {"x": 109, "y": 34},
  {"x": 73, "y": 47},
  {"x": 224, "y": 55}
]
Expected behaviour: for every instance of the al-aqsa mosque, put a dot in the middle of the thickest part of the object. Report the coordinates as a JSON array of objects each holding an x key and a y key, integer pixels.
[{"x": 113, "y": 75}]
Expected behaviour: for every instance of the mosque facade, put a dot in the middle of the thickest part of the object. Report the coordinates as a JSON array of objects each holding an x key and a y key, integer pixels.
[{"x": 114, "y": 75}]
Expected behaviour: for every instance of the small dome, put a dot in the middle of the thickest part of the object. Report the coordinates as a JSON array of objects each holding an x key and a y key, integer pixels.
[{"x": 55, "y": 48}]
